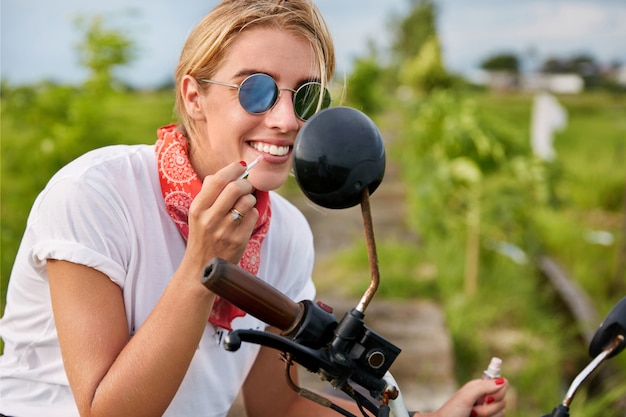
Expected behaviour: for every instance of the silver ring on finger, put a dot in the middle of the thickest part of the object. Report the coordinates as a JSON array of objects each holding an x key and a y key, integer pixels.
[{"x": 236, "y": 215}]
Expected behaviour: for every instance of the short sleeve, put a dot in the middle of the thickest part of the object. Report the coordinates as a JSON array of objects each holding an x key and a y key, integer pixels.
[{"x": 84, "y": 222}]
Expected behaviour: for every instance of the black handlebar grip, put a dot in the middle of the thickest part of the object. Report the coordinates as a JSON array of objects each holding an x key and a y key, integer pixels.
[{"x": 254, "y": 296}]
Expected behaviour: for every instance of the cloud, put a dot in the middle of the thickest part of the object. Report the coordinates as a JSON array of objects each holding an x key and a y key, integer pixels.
[{"x": 557, "y": 28}]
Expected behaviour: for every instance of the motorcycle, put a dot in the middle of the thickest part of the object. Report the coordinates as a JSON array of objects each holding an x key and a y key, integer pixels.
[{"x": 339, "y": 161}]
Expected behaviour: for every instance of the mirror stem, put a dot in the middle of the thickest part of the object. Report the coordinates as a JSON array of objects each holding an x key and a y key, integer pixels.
[
  {"x": 616, "y": 342},
  {"x": 371, "y": 251}
]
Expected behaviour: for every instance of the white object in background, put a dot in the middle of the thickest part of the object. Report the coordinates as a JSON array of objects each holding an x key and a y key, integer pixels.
[{"x": 548, "y": 116}]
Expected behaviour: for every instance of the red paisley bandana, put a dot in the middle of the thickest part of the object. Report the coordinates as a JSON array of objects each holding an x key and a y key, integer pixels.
[{"x": 180, "y": 185}]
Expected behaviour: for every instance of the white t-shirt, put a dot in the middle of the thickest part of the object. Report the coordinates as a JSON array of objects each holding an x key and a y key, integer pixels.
[{"x": 105, "y": 210}]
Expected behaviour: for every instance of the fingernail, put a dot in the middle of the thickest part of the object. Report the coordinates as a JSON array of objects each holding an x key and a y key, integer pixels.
[
  {"x": 489, "y": 400},
  {"x": 473, "y": 413},
  {"x": 243, "y": 163},
  {"x": 499, "y": 381}
]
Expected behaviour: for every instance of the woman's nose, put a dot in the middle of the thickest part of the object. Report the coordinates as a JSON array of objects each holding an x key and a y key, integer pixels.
[{"x": 283, "y": 115}]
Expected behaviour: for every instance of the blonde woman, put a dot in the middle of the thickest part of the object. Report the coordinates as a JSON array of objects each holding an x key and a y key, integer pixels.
[{"x": 106, "y": 315}]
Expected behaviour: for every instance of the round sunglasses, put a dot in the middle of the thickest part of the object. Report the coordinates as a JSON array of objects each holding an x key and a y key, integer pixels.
[{"x": 258, "y": 93}]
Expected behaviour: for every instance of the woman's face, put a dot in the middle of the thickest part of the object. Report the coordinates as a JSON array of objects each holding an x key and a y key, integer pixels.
[{"x": 227, "y": 132}]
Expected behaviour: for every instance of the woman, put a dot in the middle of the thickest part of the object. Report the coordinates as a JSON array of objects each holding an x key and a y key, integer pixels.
[{"x": 106, "y": 315}]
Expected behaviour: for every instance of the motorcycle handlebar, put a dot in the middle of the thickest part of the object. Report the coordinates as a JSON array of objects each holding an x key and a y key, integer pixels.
[{"x": 249, "y": 293}]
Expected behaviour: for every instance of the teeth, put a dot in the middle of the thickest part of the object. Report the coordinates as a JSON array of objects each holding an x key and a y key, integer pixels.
[{"x": 271, "y": 149}]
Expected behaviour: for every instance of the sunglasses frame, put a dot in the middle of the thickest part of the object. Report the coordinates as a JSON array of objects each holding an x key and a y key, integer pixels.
[{"x": 278, "y": 89}]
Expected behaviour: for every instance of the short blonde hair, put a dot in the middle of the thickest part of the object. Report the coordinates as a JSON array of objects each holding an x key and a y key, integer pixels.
[{"x": 209, "y": 42}]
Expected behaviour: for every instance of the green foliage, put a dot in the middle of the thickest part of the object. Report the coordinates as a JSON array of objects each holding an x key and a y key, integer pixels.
[
  {"x": 594, "y": 75},
  {"x": 425, "y": 71},
  {"x": 413, "y": 29},
  {"x": 459, "y": 162},
  {"x": 501, "y": 62},
  {"x": 416, "y": 62},
  {"x": 511, "y": 316},
  {"x": 589, "y": 194},
  {"x": 407, "y": 272},
  {"x": 452, "y": 147},
  {"x": 587, "y": 405},
  {"x": 102, "y": 50},
  {"x": 507, "y": 318},
  {"x": 578, "y": 64},
  {"x": 417, "y": 51},
  {"x": 367, "y": 86},
  {"x": 451, "y": 144}
]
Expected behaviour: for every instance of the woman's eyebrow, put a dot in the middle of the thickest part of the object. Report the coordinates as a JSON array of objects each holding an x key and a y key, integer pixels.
[{"x": 247, "y": 72}]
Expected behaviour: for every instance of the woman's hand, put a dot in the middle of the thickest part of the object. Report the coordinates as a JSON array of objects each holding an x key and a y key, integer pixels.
[
  {"x": 213, "y": 230},
  {"x": 463, "y": 402}
]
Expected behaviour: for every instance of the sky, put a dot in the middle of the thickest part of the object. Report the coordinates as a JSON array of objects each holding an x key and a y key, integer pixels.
[{"x": 38, "y": 37}]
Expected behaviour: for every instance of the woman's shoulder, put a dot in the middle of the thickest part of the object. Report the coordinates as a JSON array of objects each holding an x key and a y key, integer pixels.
[
  {"x": 113, "y": 157},
  {"x": 112, "y": 173},
  {"x": 115, "y": 166}
]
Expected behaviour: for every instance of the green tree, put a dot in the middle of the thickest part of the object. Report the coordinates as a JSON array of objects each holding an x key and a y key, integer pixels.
[
  {"x": 501, "y": 62},
  {"x": 101, "y": 50},
  {"x": 426, "y": 71},
  {"x": 367, "y": 86},
  {"x": 583, "y": 65},
  {"x": 417, "y": 51},
  {"x": 413, "y": 30},
  {"x": 415, "y": 61}
]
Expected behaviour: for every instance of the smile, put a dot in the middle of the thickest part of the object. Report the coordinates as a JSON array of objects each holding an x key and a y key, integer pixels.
[{"x": 271, "y": 149}]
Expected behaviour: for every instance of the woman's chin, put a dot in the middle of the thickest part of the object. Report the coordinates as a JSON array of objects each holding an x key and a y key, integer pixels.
[{"x": 267, "y": 181}]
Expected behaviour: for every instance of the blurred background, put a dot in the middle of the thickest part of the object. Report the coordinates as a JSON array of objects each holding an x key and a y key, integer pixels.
[{"x": 505, "y": 127}]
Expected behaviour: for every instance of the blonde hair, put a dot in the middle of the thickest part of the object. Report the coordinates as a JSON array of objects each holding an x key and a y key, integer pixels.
[{"x": 209, "y": 42}]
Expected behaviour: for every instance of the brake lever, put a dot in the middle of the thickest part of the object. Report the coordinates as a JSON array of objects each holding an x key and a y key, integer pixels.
[
  {"x": 336, "y": 369},
  {"x": 312, "y": 359}
]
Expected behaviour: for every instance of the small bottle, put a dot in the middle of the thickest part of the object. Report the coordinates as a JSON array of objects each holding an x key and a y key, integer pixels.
[{"x": 492, "y": 372}]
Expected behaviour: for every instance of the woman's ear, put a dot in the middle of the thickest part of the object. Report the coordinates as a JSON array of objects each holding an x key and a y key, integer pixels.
[{"x": 191, "y": 97}]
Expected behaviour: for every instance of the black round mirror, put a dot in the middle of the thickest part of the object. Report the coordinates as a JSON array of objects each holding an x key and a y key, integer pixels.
[
  {"x": 338, "y": 153},
  {"x": 612, "y": 326}
]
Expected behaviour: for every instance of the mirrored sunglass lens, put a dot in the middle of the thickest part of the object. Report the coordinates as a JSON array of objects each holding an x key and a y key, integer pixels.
[
  {"x": 307, "y": 98},
  {"x": 258, "y": 93}
]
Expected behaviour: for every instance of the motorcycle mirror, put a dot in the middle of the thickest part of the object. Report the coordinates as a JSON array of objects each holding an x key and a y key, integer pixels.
[
  {"x": 337, "y": 154},
  {"x": 612, "y": 326}
]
